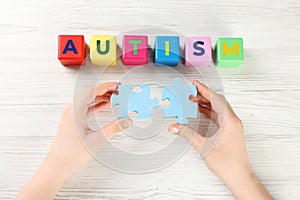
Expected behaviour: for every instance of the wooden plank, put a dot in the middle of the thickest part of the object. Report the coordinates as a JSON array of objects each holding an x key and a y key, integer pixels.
[{"x": 264, "y": 92}]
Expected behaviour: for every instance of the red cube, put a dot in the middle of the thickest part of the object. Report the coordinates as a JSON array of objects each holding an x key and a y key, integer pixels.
[{"x": 71, "y": 49}]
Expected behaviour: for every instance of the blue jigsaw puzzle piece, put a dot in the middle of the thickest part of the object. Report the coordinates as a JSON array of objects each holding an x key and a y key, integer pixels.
[
  {"x": 180, "y": 105},
  {"x": 122, "y": 99},
  {"x": 142, "y": 103}
]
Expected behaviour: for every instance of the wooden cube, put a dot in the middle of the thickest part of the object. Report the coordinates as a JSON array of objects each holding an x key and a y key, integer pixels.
[
  {"x": 229, "y": 52},
  {"x": 135, "y": 50},
  {"x": 167, "y": 50},
  {"x": 71, "y": 49},
  {"x": 103, "y": 50},
  {"x": 198, "y": 51}
]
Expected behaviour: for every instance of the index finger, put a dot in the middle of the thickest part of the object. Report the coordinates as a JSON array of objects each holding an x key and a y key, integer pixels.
[
  {"x": 218, "y": 103},
  {"x": 86, "y": 96},
  {"x": 103, "y": 88},
  {"x": 203, "y": 90}
]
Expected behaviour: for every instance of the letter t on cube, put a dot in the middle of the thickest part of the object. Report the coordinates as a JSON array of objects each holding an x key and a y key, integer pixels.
[{"x": 135, "y": 50}]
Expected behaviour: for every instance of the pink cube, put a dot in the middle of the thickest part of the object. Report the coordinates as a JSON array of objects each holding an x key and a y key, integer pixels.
[
  {"x": 135, "y": 50},
  {"x": 198, "y": 51}
]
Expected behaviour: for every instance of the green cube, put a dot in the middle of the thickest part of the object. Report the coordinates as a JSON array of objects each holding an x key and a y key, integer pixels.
[{"x": 229, "y": 52}]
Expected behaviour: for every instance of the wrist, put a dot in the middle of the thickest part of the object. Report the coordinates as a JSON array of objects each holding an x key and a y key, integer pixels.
[
  {"x": 245, "y": 185},
  {"x": 46, "y": 181},
  {"x": 240, "y": 180},
  {"x": 58, "y": 166}
]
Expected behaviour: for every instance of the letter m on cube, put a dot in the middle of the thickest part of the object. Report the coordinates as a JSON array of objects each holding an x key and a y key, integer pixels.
[{"x": 229, "y": 52}]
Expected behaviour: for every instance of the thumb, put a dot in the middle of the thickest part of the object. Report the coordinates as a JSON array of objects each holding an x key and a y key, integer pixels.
[
  {"x": 115, "y": 127},
  {"x": 189, "y": 134}
]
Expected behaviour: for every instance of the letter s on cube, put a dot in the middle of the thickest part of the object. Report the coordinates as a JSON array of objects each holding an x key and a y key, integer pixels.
[
  {"x": 103, "y": 50},
  {"x": 71, "y": 49},
  {"x": 198, "y": 51},
  {"x": 135, "y": 50}
]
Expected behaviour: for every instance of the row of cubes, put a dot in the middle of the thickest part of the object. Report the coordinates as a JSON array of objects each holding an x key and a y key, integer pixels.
[{"x": 228, "y": 52}]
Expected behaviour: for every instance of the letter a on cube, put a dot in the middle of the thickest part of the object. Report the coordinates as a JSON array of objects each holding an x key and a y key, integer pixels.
[
  {"x": 198, "y": 51},
  {"x": 229, "y": 52},
  {"x": 135, "y": 50},
  {"x": 71, "y": 49},
  {"x": 167, "y": 50},
  {"x": 103, "y": 50}
]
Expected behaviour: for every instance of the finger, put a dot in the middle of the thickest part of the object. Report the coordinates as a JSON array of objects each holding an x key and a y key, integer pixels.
[
  {"x": 209, "y": 113},
  {"x": 100, "y": 106},
  {"x": 200, "y": 99},
  {"x": 103, "y": 88},
  {"x": 98, "y": 138},
  {"x": 108, "y": 94},
  {"x": 115, "y": 127},
  {"x": 85, "y": 95},
  {"x": 218, "y": 102},
  {"x": 96, "y": 108},
  {"x": 203, "y": 90},
  {"x": 100, "y": 99},
  {"x": 205, "y": 110},
  {"x": 189, "y": 134}
]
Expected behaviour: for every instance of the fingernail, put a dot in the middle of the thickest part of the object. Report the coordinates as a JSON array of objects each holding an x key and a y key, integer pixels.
[
  {"x": 175, "y": 130},
  {"x": 126, "y": 123}
]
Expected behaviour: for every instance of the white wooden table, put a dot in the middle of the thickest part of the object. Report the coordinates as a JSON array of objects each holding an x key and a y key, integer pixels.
[{"x": 265, "y": 91}]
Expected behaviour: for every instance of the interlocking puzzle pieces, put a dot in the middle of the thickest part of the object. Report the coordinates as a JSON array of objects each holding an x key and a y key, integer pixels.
[
  {"x": 103, "y": 50},
  {"x": 229, "y": 52},
  {"x": 142, "y": 103},
  {"x": 180, "y": 104},
  {"x": 135, "y": 50},
  {"x": 130, "y": 101},
  {"x": 71, "y": 49},
  {"x": 177, "y": 94},
  {"x": 198, "y": 51},
  {"x": 166, "y": 50}
]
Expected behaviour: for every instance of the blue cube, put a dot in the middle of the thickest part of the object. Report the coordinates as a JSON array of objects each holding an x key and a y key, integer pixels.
[{"x": 167, "y": 50}]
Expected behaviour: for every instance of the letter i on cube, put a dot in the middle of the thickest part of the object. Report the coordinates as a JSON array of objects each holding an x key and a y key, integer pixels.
[
  {"x": 167, "y": 50},
  {"x": 198, "y": 51},
  {"x": 135, "y": 50}
]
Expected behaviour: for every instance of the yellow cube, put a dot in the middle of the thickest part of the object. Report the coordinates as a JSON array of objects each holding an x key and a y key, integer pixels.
[{"x": 103, "y": 49}]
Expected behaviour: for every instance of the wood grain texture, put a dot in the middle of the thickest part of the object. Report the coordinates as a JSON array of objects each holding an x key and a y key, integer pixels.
[{"x": 265, "y": 91}]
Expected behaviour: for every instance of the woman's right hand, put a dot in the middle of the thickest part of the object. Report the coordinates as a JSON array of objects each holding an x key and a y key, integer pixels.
[{"x": 227, "y": 156}]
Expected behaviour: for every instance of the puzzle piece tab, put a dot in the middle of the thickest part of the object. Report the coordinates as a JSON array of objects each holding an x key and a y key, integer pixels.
[
  {"x": 180, "y": 105},
  {"x": 130, "y": 101},
  {"x": 142, "y": 103},
  {"x": 122, "y": 99}
]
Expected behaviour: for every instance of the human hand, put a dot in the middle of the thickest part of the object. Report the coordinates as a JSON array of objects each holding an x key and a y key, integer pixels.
[
  {"x": 68, "y": 152},
  {"x": 227, "y": 156},
  {"x": 73, "y": 132}
]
